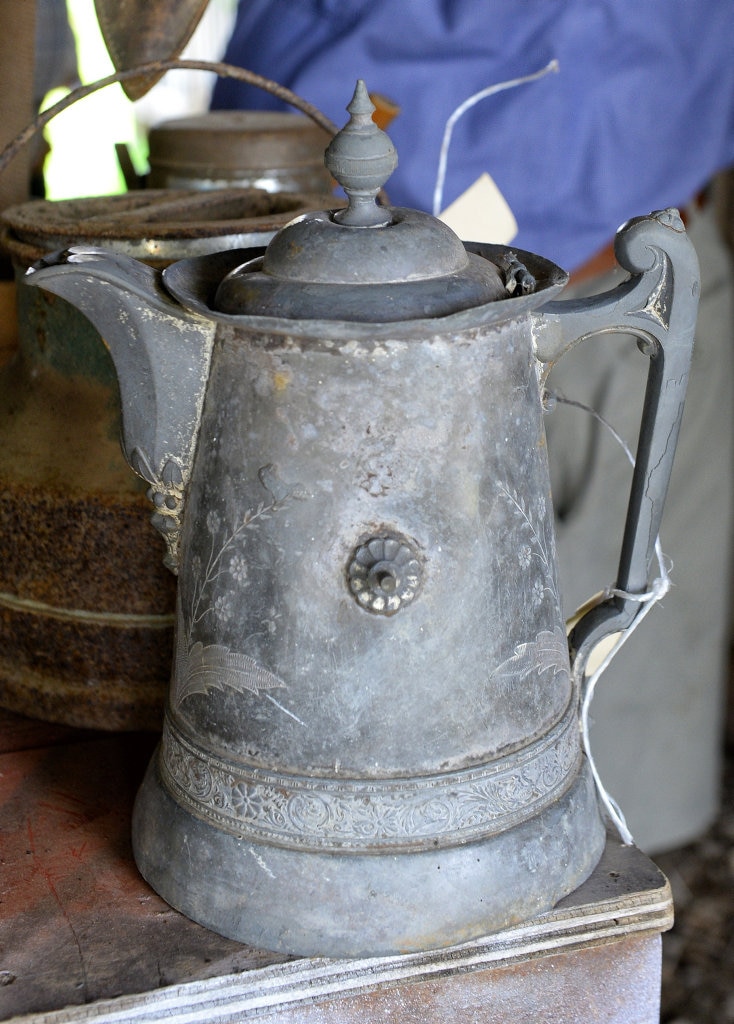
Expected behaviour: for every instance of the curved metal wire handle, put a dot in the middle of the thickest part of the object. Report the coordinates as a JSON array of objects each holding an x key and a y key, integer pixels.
[{"x": 158, "y": 67}]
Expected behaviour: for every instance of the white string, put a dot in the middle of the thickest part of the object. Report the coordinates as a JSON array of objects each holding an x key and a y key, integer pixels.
[
  {"x": 649, "y": 599},
  {"x": 491, "y": 90}
]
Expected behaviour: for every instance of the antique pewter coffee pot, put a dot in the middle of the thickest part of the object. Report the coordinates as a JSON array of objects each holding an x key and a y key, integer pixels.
[{"x": 372, "y": 742}]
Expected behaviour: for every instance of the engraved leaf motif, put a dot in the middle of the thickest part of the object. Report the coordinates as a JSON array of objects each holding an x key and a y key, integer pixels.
[
  {"x": 547, "y": 653},
  {"x": 214, "y": 667}
]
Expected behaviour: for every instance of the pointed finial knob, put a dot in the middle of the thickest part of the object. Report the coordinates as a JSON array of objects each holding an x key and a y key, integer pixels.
[{"x": 361, "y": 158}]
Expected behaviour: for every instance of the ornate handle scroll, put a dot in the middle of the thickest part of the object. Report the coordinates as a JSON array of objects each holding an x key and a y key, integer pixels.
[{"x": 658, "y": 305}]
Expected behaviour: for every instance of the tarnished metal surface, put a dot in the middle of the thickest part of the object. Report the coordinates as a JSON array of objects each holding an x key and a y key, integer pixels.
[
  {"x": 322, "y": 763},
  {"x": 273, "y": 150},
  {"x": 525, "y": 829}
]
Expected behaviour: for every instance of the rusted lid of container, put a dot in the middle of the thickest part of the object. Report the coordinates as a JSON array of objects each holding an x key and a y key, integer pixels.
[
  {"x": 154, "y": 225},
  {"x": 274, "y": 150}
]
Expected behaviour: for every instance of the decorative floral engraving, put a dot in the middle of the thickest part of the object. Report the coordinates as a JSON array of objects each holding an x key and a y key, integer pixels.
[
  {"x": 222, "y": 607},
  {"x": 201, "y": 668},
  {"x": 540, "y": 544},
  {"x": 361, "y": 815},
  {"x": 547, "y": 653},
  {"x": 213, "y": 667}
]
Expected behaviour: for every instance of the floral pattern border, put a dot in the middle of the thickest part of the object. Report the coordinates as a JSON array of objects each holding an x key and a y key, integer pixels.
[{"x": 371, "y": 815}]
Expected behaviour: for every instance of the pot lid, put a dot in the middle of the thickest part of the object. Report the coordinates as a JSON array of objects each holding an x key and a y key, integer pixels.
[
  {"x": 154, "y": 225},
  {"x": 233, "y": 140},
  {"x": 366, "y": 262}
]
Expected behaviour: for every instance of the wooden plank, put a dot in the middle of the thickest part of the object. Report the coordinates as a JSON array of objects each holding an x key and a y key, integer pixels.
[
  {"x": 20, "y": 733},
  {"x": 77, "y": 922}
]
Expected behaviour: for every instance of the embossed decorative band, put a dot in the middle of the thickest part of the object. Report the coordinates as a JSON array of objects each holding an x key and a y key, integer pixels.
[{"x": 362, "y": 815}]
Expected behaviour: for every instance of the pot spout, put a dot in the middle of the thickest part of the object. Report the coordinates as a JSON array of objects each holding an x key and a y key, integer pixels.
[{"x": 161, "y": 355}]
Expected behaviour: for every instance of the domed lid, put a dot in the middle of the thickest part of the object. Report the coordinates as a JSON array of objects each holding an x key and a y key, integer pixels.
[{"x": 367, "y": 262}]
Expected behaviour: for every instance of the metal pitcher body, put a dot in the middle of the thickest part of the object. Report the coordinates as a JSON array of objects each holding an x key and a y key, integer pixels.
[
  {"x": 372, "y": 742},
  {"x": 349, "y": 610}
]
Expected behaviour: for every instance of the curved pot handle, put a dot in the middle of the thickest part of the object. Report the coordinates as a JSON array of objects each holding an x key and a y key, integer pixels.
[{"x": 658, "y": 305}]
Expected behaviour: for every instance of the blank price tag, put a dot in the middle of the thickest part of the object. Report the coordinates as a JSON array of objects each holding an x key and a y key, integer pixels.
[{"x": 481, "y": 214}]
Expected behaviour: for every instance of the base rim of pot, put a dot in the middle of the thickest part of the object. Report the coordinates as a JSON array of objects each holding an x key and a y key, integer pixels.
[{"x": 357, "y": 905}]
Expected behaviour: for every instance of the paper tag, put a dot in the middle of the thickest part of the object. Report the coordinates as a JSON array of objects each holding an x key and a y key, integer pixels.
[{"x": 481, "y": 214}]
